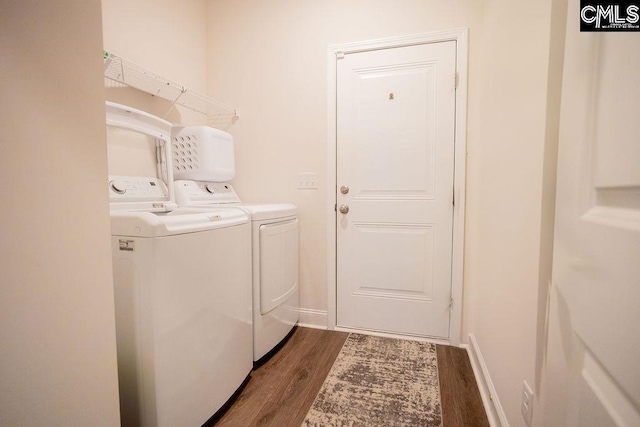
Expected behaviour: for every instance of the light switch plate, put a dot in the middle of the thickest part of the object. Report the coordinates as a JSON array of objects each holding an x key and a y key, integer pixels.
[{"x": 307, "y": 181}]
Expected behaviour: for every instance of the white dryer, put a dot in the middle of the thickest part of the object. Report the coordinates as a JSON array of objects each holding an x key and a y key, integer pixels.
[
  {"x": 203, "y": 163},
  {"x": 182, "y": 285},
  {"x": 276, "y": 299}
]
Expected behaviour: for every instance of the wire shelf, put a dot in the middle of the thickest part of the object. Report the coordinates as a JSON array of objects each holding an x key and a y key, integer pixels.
[{"x": 124, "y": 72}]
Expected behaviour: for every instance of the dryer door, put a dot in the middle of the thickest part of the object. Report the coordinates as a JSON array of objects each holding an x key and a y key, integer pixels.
[{"x": 278, "y": 263}]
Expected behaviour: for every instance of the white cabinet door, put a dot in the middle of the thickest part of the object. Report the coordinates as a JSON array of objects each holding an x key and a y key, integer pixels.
[
  {"x": 592, "y": 375},
  {"x": 395, "y": 153}
]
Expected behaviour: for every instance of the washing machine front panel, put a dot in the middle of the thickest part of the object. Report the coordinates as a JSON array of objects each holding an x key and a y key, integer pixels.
[{"x": 184, "y": 320}]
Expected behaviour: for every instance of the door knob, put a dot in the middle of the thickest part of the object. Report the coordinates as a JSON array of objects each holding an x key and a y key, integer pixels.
[
  {"x": 344, "y": 209},
  {"x": 344, "y": 189}
]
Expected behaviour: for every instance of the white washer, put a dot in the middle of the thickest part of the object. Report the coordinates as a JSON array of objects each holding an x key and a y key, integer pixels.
[
  {"x": 182, "y": 285},
  {"x": 276, "y": 299}
]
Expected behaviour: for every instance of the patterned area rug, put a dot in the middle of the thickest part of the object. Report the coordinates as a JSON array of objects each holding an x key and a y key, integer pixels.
[{"x": 379, "y": 382}]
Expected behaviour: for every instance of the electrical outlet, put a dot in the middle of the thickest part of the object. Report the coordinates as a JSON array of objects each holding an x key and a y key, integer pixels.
[
  {"x": 527, "y": 403},
  {"x": 308, "y": 181}
]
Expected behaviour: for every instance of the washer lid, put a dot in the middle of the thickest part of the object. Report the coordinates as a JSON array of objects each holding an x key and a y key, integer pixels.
[
  {"x": 139, "y": 154},
  {"x": 179, "y": 221}
]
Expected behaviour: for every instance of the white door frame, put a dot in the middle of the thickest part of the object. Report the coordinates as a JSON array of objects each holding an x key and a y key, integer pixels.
[{"x": 460, "y": 36}]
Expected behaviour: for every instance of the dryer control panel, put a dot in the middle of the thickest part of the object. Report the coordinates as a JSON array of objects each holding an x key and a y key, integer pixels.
[{"x": 199, "y": 192}]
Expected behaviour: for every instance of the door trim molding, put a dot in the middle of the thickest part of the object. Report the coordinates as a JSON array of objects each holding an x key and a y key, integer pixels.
[{"x": 460, "y": 36}]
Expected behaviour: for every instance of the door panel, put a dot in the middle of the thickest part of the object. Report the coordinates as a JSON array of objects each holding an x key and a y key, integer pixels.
[
  {"x": 594, "y": 345},
  {"x": 382, "y": 168},
  {"x": 410, "y": 277},
  {"x": 395, "y": 133}
]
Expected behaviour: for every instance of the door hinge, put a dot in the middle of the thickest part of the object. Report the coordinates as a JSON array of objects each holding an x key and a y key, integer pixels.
[
  {"x": 339, "y": 54},
  {"x": 453, "y": 196},
  {"x": 451, "y": 303},
  {"x": 455, "y": 80}
]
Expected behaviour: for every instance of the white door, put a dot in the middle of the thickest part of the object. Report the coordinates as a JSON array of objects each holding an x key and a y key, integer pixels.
[
  {"x": 592, "y": 375},
  {"x": 395, "y": 152}
]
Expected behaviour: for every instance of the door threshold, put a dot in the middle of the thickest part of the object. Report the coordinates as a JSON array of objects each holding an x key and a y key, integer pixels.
[{"x": 442, "y": 341}]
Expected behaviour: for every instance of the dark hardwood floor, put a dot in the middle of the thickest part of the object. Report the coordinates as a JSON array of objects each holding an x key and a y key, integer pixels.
[
  {"x": 281, "y": 391},
  {"x": 459, "y": 394}
]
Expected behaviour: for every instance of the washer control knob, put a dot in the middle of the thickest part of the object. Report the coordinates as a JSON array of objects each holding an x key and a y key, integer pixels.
[
  {"x": 210, "y": 188},
  {"x": 118, "y": 187}
]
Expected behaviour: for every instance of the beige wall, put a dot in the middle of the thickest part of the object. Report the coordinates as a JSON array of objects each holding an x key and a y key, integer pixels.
[
  {"x": 507, "y": 120},
  {"x": 57, "y": 343}
]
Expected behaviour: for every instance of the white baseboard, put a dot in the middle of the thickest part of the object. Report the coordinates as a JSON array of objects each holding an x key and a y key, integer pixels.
[
  {"x": 310, "y": 318},
  {"x": 490, "y": 400}
]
